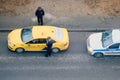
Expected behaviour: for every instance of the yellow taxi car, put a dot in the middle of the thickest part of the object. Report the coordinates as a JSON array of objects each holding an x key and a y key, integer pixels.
[{"x": 34, "y": 38}]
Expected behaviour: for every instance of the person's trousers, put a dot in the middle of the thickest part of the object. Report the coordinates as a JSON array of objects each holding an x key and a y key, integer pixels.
[
  {"x": 40, "y": 20},
  {"x": 49, "y": 51}
]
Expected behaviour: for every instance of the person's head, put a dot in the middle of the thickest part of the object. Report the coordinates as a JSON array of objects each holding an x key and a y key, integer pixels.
[
  {"x": 48, "y": 38},
  {"x": 39, "y": 8}
]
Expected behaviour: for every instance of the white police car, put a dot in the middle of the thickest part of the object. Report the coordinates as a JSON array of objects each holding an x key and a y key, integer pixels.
[{"x": 104, "y": 43}]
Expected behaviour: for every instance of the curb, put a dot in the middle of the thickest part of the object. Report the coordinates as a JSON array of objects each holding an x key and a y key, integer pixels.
[
  {"x": 69, "y": 30},
  {"x": 5, "y": 30},
  {"x": 88, "y": 30}
]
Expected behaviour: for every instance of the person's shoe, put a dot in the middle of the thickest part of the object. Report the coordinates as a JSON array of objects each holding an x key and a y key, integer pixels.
[{"x": 49, "y": 55}]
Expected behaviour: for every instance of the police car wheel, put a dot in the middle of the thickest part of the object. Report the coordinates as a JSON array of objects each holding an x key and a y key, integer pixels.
[
  {"x": 98, "y": 55},
  {"x": 19, "y": 50},
  {"x": 55, "y": 50}
]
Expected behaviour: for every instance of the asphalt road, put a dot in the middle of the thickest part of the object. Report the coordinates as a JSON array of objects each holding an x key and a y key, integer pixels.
[{"x": 73, "y": 64}]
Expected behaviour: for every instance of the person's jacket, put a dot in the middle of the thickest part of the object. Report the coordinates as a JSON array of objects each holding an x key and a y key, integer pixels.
[
  {"x": 39, "y": 12},
  {"x": 50, "y": 44}
]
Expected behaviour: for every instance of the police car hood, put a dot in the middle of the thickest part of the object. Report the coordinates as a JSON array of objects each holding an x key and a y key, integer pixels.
[{"x": 94, "y": 41}]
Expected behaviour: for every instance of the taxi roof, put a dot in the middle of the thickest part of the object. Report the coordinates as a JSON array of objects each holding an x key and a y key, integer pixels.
[{"x": 43, "y": 31}]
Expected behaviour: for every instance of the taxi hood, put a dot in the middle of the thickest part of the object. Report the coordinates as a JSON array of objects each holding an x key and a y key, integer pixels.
[{"x": 15, "y": 36}]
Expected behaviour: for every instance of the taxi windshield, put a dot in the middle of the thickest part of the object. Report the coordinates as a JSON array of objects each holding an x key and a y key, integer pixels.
[
  {"x": 107, "y": 38},
  {"x": 26, "y": 34}
]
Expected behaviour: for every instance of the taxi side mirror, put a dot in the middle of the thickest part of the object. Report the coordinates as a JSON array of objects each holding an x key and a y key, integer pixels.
[{"x": 28, "y": 44}]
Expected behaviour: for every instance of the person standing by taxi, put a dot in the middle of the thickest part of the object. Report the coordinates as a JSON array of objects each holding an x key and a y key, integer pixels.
[
  {"x": 40, "y": 13},
  {"x": 49, "y": 44}
]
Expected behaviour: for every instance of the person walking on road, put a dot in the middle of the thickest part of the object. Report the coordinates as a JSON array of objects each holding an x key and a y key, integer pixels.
[
  {"x": 40, "y": 13},
  {"x": 49, "y": 44}
]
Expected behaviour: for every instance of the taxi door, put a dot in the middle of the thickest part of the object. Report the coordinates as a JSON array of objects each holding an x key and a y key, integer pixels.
[{"x": 35, "y": 45}]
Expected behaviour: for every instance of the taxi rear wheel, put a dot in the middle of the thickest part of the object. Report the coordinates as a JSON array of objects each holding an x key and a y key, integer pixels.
[
  {"x": 98, "y": 55},
  {"x": 19, "y": 50},
  {"x": 55, "y": 50}
]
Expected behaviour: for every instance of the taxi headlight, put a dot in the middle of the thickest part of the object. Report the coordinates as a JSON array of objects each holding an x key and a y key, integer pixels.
[{"x": 11, "y": 44}]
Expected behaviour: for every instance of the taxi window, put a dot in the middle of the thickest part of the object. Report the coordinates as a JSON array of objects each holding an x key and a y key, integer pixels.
[
  {"x": 58, "y": 34},
  {"x": 33, "y": 41},
  {"x": 26, "y": 34},
  {"x": 37, "y": 41},
  {"x": 42, "y": 41}
]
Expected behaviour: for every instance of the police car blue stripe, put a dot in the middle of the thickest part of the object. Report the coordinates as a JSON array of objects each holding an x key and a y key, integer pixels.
[{"x": 107, "y": 50}]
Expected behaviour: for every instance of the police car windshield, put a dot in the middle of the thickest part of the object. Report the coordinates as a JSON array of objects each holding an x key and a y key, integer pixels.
[
  {"x": 107, "y": 38},
  {"x": 26, "y": 34}
]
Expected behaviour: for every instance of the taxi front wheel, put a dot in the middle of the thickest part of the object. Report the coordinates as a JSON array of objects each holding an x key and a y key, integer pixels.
[
  {"x": 55, "y": 50},
  {"x": 98, "y": 55},
  {"x": 19, "y": 50}
]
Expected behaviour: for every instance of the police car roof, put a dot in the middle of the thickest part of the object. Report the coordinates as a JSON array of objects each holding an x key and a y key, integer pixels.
[{"x": 116, "y": 35}]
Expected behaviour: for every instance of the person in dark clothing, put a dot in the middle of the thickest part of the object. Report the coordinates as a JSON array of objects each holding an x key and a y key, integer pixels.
[
  {"x": 49, "y": 44},
  {"x": 40, "y": 13}
]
